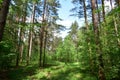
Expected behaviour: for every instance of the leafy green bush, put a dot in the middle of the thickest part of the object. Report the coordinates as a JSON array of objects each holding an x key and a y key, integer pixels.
[{"x": 6, "y": 55}]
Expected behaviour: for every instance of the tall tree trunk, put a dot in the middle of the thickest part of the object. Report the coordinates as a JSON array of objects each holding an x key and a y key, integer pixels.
[
  {"x": 3, "y": 16},
  {"x": 22, "y": 30},
  {"x": 101, "y": 73},
  {"x": 116, "y": 30},
  {"x": 18, "y": 42},
  {"x": 21, "y": 43},
  {"x": 17, "y": 58},
  {"x": 45, "y": 33},
  {"x": 45, "y": 41},
  {"x": 42, "y": 34},
  {"x": 29, "y": 46},
  {"x": 115, "y": 25},
  {"x": 99, "y": 19},
  {"x": 41, "y": 46},
  {"x": 21, "y": 52},
  {"x": 85, "y": 13},
  {"x": 31, "y": 36},
  {"x": 104, "y": 20},
  {"x": 88, "y": 39},
  {"x": 103, "y": 10}
]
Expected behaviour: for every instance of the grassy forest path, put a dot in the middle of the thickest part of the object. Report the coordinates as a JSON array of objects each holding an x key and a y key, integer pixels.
[{"x": 61, "y": 71}]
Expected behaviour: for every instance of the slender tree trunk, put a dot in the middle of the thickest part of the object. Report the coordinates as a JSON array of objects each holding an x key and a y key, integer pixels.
[
  {"x": 21, "y": 52},
  {"x": 42, "y": 34},
  {"x": 99, "y": 19},
  {"x": 22, "y": 31},
  {"x": 30, "y": 41},
  {"x": 116, "y": 30},
  {"x": 101, "y": 73},
  {"x": 77, "y": 53},
  {"x": 41, "y": 46},
  {"x": 103, "y": 10},
  {"x": 29, "y": 46},
  {"x": 85, "y": 13},
  {"x": 21, "y": 43},
  {"x": 45, "y": 33},
  {"x": 104, "y": 20},
  {"x": 88, "y": 39},
  {"x": 3, "y": 16},
  {"x": 17, "y": 58},
  {"x": 18, "y": 43},
  {"x": 45, "y": 41}
]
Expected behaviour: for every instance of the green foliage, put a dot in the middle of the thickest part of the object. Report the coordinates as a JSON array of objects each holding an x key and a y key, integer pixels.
[
  {"x": 67, "y": 51},
  {"x": 1, "y": 3},
  {"x": 110, "y": 44},
  {"x": 6, "y": 54}
]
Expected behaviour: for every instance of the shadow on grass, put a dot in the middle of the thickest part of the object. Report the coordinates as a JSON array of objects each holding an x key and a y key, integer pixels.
[
  {"x": 22, "y": 72},
  {"x": 52, "y": 72},
  {"x": 71, "y": 73}
]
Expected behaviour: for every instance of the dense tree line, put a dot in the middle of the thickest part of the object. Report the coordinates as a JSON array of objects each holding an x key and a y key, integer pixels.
[{"x": 28, "y": 25}]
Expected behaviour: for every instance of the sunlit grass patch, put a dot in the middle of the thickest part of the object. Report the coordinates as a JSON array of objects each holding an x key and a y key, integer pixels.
[
  {"x": 78, "y": 75},
  {"x": 61, "y": 71}
]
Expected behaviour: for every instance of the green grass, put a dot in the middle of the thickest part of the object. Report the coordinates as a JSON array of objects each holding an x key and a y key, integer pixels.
[{"x": 60, "y": 71}]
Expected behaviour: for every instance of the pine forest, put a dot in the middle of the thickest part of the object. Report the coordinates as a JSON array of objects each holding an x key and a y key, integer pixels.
[{"x": 32, "y": 46}]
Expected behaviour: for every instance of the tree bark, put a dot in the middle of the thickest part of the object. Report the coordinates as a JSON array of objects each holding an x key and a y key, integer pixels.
[
  {"x": 45, "y": 42},
  {"x": 3, "y": 16},
  {"x": 116, "y": 30},
  {"x": 22, "y": 30},
  {"x": 17, "y": 50},
  {"x": 87, "y": 39},
  {"x": 31, "y": 36},
  {"x": 99, "y": 19},
  {"x": 101, "y": 73},
  {"x": 29, "y": 46},
  {"x": 103, "y": 10},
  {"x": 18, "y": 43},
  {"x": 41, "y": 46},
  {"x": 45, "y": 33},
  {"x": 42, "y": 34},
  {"x": 85, "y": 13},
  {"x": 21, "y": 43}
]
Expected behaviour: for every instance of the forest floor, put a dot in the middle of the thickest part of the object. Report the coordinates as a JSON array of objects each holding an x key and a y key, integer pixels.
[{"x": 61, "y": 71}]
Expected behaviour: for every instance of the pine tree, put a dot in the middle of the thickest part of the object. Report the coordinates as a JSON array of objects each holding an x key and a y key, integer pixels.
[
  {"x": 101, "y": 73},
  {"x": 3, "y": 16}
]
